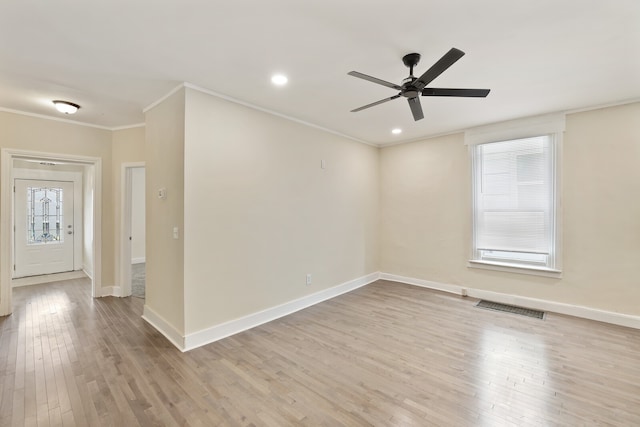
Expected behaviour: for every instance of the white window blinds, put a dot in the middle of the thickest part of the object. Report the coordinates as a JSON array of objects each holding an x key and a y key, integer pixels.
[{"x": 514, "y": 200}]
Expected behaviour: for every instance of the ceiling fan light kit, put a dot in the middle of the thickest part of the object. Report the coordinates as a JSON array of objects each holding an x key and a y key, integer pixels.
[{"x": 412, "y": 87}]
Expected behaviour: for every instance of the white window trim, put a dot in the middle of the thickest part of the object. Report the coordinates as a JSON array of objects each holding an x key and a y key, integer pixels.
[
  {"x": 551, "y": 124},
  {"x": 514, "y": 268},
  {"x": 516, "y": 129}
]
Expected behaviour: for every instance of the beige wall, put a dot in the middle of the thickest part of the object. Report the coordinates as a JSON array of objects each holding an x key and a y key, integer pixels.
[
  {"x": 426, "y": 214},
  {"x": 260, "y": 213},
  {"x": 128, "y": 145},
  {"x": 164, "y": 154},
  {"x": 22, "y": 132}
]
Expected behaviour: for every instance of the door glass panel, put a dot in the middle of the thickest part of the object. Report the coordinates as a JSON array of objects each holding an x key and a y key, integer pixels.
[{"x": 44, "y": 215}]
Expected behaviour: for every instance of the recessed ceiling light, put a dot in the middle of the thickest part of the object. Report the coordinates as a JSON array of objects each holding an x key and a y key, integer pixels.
[
  {"x": 66, "y": 107},
  {"x": 279, "y": 80},
  {"x": 396, "y": 131}
]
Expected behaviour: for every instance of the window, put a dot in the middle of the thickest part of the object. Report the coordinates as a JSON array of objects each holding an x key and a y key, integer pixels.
[
  {"x": 514, "y": 206},
  {"x": 44, "y": 215}
]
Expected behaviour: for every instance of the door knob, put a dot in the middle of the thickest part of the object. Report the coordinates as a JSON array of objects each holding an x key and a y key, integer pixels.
[{"x": 69, "y": 232}]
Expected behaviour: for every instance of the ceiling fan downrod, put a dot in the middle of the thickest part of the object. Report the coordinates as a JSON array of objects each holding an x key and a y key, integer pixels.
[{"x": 411, "y": 60}]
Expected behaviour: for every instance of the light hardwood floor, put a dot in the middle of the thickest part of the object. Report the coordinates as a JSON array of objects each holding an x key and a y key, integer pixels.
[{"x": 385, "y": 354}]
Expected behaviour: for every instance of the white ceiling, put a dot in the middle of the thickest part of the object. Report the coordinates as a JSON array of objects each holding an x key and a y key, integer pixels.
[{"x": 116, "y": 57}]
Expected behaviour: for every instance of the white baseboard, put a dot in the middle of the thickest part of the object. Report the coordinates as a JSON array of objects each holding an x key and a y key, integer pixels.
[
  {"x": 223, "y": 330},
  {"x": 614, "y": 318},
  {"x": 111, "y": 291},
  {"x": 140, "y": 260},
  {"x": 452, "y": 289},
  {"x": 89, "y": 273},
  {"x": 164, "y": 327}
]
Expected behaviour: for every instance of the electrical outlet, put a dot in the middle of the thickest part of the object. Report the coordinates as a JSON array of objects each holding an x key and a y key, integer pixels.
[{"x": 308, "y": 279}]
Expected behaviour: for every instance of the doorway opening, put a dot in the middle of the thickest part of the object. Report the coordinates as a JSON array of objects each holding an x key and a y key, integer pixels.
[
  {"x": 44, "y": 181},
  {"x": 133, "y": 249}
]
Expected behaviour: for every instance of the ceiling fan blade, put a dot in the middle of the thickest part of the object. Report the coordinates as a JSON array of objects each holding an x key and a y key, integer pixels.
[
  {"x": 438, "y": 68},
  {"x": 416, "y": 108},
  {"x": 373, "y": 104},
  {"x": 470, "y": 93},
  {"x": 374, "y": 80}
]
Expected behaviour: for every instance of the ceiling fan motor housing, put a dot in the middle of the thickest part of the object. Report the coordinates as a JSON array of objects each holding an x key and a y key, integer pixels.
[{"x": 409, "y": 92}]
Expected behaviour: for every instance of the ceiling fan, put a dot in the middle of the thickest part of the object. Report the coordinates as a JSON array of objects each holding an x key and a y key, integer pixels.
[{"x": 412, "y": 87}]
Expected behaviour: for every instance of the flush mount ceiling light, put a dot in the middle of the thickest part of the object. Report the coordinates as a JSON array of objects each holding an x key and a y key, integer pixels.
[
  {"x": 279, "y": 80},
  {"x": 396, "y": 131},
  {"x": 66, "y": 107}
]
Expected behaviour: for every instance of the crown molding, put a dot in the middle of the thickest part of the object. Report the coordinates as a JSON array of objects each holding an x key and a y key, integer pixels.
[
  {"x": 464, "y": 130},
  {"x": 293, "y": 119},
  {"x": 275, "y": 113},
  {"x": 601, "y": 106},
  {"x": 163, "y": 97},
  {"x": 254, "y": 107},
  {"x": 137, "y": 125},
  {"x": 55, "y": 119},
  {"x": 72, "y": 122}
]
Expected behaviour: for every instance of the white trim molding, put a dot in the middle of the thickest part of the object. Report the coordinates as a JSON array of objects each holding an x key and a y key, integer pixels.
[
  {"x": 48, "y": 278},
  {"x": 550, "y": 127},
  {"x": 123, "y": 267},
  {"x": 452, "y": 289},
  {"x": 111, "y": 291},
  {"x": 162, "y": 98},
  {"x": 125, "y": 127},
  {"x": 164, "y": 327},
  {"x": 232, "y": 327},
  {"x": 8, "y": 155},
  {"x": 55, "y": 119},
  {"x": 187, "y": 85},
  {"x": 513, "y": 268},
  {"x": 590, "y": 313},
  {"x": 516, "y": 129}
]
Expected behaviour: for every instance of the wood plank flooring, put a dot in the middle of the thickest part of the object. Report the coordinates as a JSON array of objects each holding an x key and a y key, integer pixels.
[{"x": 386, "y": 355}]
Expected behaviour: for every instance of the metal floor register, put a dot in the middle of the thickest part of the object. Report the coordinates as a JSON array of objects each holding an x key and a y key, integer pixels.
[{"x": 489, "y": 305}]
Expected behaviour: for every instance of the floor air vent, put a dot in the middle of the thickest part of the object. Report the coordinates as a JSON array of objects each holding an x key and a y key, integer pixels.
[{"x": 489, "y": 305}]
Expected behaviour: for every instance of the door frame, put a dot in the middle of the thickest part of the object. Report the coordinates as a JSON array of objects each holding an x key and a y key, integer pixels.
[
  {"x": 8, "y": 155},
  {"x": 126, "y": 184},
  {"x": 76, "y": 178}
]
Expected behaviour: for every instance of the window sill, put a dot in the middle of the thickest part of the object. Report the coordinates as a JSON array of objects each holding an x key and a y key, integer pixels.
[{"x": 519, "y": 269}]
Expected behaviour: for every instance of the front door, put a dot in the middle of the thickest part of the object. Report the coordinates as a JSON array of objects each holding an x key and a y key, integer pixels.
[{"x": 43, "y": 219}]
